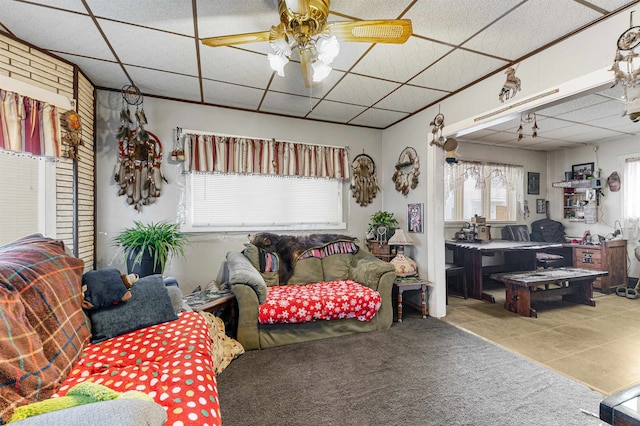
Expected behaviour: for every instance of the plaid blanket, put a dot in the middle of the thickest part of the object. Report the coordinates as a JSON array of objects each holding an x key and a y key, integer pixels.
[{"x": 43, "y": 329}]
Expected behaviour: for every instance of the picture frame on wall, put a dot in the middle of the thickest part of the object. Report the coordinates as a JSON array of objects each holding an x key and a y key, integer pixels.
[
  {"x": 581, "y": 171},
  {"x": 541, "y": 205},
  {"x": 533, "y": 183},
  {"x": 415, "y": 218}
]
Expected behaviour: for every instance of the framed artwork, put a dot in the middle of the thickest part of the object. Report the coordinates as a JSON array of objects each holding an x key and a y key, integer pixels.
[
  {"x": 533, "y": 183},
  {"x": 581, "y": 171},
  {"x": 541, "y": 205},
  {"x": 414, "y": 218}
]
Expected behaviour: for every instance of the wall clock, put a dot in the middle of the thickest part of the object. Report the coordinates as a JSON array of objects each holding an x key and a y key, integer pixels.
[{"x": 407, "y": 170}]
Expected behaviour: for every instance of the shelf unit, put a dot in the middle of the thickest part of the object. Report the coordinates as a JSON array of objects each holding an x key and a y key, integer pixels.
[
  {"x": 610, "y": 257},
  {"x": 580, "y": 199}
]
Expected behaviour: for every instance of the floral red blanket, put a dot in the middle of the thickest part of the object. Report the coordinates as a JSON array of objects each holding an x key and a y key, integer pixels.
[{"x": 319, "y": 301}]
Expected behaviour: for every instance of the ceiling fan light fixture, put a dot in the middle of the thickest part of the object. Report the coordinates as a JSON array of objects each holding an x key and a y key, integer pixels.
[
  {"x": 277, "y": 63},
  {"x": 328, "y": 48},
  {"x": 321, "y": 71},
  {"x": 299, "y": 7}
]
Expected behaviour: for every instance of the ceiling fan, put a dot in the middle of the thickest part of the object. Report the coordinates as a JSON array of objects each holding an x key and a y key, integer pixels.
[{"x": 303, "y": 25}]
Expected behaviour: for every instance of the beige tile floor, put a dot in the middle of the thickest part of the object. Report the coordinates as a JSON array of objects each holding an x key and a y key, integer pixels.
[{"x": 598, "y": 346}]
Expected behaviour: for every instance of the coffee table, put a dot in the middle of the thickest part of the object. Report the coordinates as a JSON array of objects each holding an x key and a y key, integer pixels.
[
  {"x": 573, "y": 284},
  {"x": 622, "y": 408}
]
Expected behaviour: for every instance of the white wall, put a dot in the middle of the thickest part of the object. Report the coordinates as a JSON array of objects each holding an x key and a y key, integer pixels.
[{"x": 206, "y": 252}]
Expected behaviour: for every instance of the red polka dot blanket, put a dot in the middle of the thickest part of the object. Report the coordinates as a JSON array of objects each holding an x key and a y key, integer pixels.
[
  {"x": 171, "y": 362},
  {"x": 319, "y": 301}
]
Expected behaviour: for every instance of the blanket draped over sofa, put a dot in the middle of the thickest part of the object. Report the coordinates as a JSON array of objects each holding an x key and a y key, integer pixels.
[
  {"x": 142, "y": 345},
  {"x": 340, "y": 261}
]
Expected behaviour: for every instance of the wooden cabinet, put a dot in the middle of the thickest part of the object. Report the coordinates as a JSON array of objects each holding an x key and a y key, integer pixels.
[
  {"x": 610, "y": 256},
  {"x": 382, "y": 251}
]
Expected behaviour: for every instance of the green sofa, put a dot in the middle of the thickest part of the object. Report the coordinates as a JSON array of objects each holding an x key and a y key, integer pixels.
[{"x": 250, "y": 289}]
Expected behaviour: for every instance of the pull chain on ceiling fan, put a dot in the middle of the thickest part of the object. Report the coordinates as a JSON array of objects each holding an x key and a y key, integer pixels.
[{"x": 303, "y": 24}]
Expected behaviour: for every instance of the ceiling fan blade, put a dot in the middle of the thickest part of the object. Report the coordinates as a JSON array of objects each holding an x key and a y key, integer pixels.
[
  {"x": 236, "y": 39},
  {"x": 377, "y": 31}
]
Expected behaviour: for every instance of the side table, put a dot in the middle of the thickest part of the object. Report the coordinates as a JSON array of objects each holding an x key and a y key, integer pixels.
[
  {"x": 412, "y": 283},
  {"x": 215, "y": 303},
  {"x": 622, "y": 408}
]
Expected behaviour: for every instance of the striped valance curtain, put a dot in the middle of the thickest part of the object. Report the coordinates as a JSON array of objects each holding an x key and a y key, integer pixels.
[
  {"x": 28, "y": 125},
  {"x": 226, "y": 154}
]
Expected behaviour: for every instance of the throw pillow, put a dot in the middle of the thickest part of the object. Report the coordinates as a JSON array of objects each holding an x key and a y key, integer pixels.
[
  {"x": 105, "y": 288},
  {"x": 149, "y": 305},
  {"x": 259, "y": 257}
]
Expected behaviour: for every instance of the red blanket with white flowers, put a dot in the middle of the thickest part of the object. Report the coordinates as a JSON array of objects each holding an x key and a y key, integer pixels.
[{"x": 319, "y": 301}]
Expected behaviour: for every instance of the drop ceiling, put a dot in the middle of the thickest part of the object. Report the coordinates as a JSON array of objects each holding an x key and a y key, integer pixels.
[{"x": 154, "y": 44}]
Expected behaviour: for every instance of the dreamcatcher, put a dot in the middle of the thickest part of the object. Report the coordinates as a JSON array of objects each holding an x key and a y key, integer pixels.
[
  {"x": 139, "y": 155},
  {"x": 407, "y": 171},
  {"x": 71, "y": 133},
  {"x": 364, "y": 184}
]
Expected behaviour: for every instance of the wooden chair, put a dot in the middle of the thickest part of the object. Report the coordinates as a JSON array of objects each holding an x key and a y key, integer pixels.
[{"x": 457, "y": 271}]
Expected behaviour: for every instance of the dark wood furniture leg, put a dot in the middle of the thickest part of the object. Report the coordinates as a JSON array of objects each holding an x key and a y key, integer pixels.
[{"x": 400, "y": 289}]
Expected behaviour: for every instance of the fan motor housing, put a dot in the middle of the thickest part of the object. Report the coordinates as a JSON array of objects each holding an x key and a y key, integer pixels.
[{"x": 312, "y": 24}]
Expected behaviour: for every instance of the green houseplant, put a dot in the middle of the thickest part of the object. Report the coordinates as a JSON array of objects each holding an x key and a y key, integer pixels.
[
  {"x": 382, "y": 218},
  {"x": 147, "y": 247}
]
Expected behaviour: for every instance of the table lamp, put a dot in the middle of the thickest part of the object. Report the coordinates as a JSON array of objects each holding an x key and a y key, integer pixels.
[{"x": 405, "y": 267}]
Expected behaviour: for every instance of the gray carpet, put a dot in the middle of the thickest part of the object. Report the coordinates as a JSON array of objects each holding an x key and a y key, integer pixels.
[{"x": 419, "y": 372}]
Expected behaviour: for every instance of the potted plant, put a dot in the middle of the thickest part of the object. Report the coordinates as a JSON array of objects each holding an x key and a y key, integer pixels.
[
  {"x": 147, "y": 247},
  {"x": 385, "y": 219}
]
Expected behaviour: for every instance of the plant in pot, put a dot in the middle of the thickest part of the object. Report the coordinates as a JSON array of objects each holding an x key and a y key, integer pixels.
[
  {"x": 379, "y": 220},
  {"x": 147, "y": 247}
]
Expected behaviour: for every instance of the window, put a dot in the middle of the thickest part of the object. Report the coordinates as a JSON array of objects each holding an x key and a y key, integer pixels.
[
  {"x": 235, "y": 202},
  {"x": 483, "y": 189},
  {"x": 631, "y": 201},
  {"x": 28, "y": 191}
]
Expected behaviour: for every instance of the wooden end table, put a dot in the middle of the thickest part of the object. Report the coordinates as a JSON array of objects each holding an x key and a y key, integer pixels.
[
  {"x": 220, "y": 303},
  {"x": 412, "y": 283}
]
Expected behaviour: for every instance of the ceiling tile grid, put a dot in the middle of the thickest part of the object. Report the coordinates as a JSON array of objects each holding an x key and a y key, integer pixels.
[{"x": 455, "y": 43}]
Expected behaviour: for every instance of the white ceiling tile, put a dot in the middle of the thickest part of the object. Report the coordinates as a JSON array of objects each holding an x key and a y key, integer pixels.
[
  {"x": 378, "y": 118},
  {"x": 218, "y": 93},
  {"x": 402, "y": 61},
  {"x": 370, "y": 9},
  {"x": 227, "y": 17},
  {"x": 409, "y": 99},
  {"x": 78, "y": 35},
  {"x": 592, "y": 135},
  {"x": 456, "y": 70},
  {"x": 152, "y": 48},
  {"x": 74, "y": 5},
  {"x": 335, "y": 111},
  {"x": 237, "y": 66},
  {"x": 609, "y": 5},
  {"x": 165, "y": 84},
  {"x": 169, "y": 15},
  {"x": 572, "y": 105},
  {"x": 349, "y": 55},
  {"x": 462, "y": 18},
  {"x": 361, "y": 90},
  {"x": 103, "y": 73},
  {"x": 279, "y": 103},
  {"x": 594, "y": 112},
  {"x": 519, "y": 32}
]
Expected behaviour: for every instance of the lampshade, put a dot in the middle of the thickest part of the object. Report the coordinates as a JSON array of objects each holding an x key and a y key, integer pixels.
[{"x": 400, "y": 238}]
